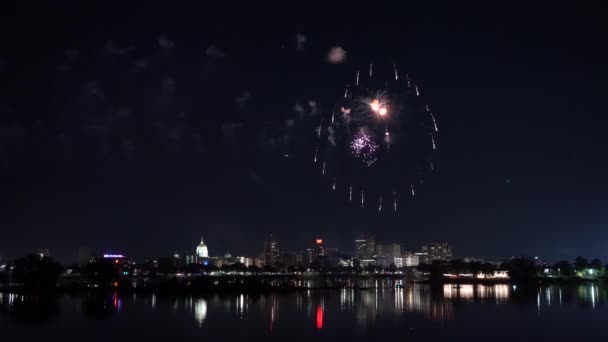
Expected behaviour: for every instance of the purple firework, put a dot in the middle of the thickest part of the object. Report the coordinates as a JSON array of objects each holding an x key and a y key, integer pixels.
[{"x": 364, "y": 148}]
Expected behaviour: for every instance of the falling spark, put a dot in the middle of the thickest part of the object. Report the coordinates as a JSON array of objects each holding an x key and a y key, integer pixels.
[
  {"x": 433, "y": 141},
  {"x": 395, "y": 204},
  {"x": 380, "y": 204},
  {"x": 350, "y": 192},
  {"x": 371, "y": 69},
  {"x": 413, "y": 192},
  {"x": 362, "y": 198},
  {"x": 357, "y": 83},
  {"x": 387, "y": 139},
  {"x": 346, "y": 92},
  {"x": 323, "y": 169},
  {"x": 432, "y": 166},
  {"x": 417, "y": 91},
  {"x": 332, "y": 117},
  {"x": 316, "y": 153},
  {"x": 333, "y": 186},
  {"x": 428, "y": 109},
  {"x": 434, "y": 122},
  {"x": 396, "y": 74}
]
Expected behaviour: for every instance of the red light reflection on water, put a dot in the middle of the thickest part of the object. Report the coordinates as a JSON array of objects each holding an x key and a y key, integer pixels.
[
  {"x": 116, "y": 301},
  {"x": 319, "y": 317}
]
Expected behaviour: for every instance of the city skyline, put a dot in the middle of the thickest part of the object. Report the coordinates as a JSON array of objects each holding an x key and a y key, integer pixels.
[
  {"x": 213, "y": 171},
  {"x": 152, "y": 132}
]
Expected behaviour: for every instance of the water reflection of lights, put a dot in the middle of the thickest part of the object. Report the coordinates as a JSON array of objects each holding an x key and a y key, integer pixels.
[
  {"x": 273, "y": 309},
  {"x": 499, "y": 292},
  {"x": 588, "y": 294},
  {"x": 419, "y": 300},
  {"x": 451, "y": 291},
  {"x": 399, "y": 300},
  {"x": 241, "y": 305},
  {"x": 116, "y": 302},
  {"x": 200, "y": 310},
  {"x": 319, "y": 316}
]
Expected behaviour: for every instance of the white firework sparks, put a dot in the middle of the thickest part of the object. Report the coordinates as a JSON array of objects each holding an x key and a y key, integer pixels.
[{"x": 364, "y": 148}]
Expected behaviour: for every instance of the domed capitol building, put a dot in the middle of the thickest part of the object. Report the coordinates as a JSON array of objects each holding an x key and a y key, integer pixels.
[{"x": 201, "y": 250}]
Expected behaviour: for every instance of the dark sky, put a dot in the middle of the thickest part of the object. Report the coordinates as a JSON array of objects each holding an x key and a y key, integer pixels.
[{"x": 137, "y": 129}]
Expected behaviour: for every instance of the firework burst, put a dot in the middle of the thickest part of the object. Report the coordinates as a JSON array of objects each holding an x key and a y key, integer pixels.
[
  {"x": 364, "y": 147},
  {"x": 378, "y": 139}
]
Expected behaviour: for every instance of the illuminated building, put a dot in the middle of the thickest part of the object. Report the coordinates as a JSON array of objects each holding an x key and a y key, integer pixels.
[
  {"x": 365, "y": 248},
  {"x": 258, "y": 262},
  {"x": 191, "y": 259},
  {"x": 289, "y": 259},
  {"x": 317, "y": 249},
  {"x": 303, "y": 257},
  {"x": 345, "y": 262},
  {"x": 271, "y": 251},
  {"x": 410, "y": 259},
  {"x": 226, "y": 260},
  {"x": 439, "y": 251},
  {"x": 495, "y": 275},
  {"x": 386, "y": 253},
  {"x": 245, "y": 261},
  {"x": 201, "y": 250},
  {"x": 422, "y": 257}
]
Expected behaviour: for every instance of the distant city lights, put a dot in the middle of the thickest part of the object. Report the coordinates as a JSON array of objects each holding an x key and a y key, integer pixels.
[{"x": 113, "y": 256}]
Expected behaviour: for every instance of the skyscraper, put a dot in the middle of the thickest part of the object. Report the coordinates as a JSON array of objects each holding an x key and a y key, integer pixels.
[
  {"x": 289, "y": 258},
  {"x": 271, "y": 251},
  {"x": 365, "y": 248},
  {"x": 317, "y": 249},
  {"x": 435, "y": 251}
]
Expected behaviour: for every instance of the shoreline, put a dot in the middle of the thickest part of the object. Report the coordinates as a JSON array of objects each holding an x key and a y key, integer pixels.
[{"x": 276, "y": 283}]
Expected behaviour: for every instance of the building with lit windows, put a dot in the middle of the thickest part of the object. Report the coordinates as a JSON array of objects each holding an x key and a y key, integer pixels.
[
  {"x": 387, "y": 253},
  {"x": 289, "y": 259},
  {"x": 410, "y": 259},
  {"x": 365, "y": 248},
  {"x": 436, "y": 251},
  {"x": 317, "y": 249},
  {"x": 271, "y": 251}
]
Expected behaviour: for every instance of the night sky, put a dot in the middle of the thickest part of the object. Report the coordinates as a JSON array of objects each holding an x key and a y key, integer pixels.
[{"x": 137, "y": 129}]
